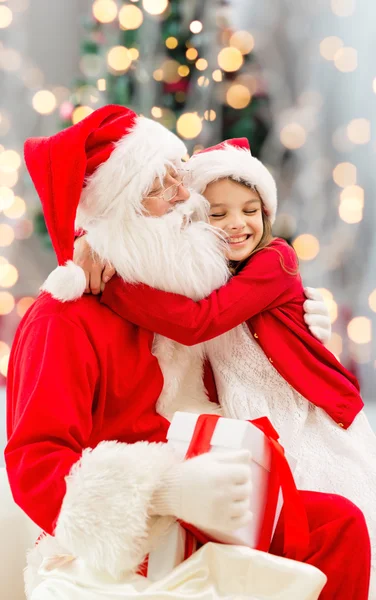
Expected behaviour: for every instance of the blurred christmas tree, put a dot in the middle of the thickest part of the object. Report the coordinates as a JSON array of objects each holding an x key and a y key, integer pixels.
[{"x": 176, "y": 61}]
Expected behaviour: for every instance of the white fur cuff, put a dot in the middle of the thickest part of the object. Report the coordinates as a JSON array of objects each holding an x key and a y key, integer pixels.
[{"x": 105, "y": 513}]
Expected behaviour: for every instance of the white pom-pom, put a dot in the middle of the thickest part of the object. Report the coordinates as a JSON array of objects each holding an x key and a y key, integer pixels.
[{"x": 66, "y": 283}]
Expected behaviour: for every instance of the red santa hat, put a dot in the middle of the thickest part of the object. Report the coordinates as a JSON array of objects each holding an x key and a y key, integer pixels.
[
  {"x": 233, "y": 158},
  {"x": 99, "y": 168}
]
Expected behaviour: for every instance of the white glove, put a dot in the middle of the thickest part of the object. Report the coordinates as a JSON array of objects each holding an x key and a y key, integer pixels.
[
  {"x": 210, "y": 491},
  {"x": 317, "y": 315}
]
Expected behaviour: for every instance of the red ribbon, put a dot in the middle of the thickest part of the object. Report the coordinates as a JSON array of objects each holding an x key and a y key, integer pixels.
[{"x": 296, "y": 530}]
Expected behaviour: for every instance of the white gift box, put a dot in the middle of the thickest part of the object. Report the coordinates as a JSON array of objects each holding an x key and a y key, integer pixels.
[{"x": 233, "y": 434}]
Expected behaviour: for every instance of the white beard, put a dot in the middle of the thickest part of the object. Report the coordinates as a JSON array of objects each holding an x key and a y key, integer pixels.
[{"x": 181, "y": 253}]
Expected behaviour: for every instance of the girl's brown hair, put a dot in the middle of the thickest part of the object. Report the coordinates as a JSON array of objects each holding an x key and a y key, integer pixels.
[{"x": 266, "y": 238}]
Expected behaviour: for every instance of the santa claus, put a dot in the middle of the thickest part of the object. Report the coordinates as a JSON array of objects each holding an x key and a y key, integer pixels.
[{"x": 90, "y": 394}]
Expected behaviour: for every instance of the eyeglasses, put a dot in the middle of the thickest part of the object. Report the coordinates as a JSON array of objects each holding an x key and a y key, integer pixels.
[{"x": 171, "y": 192}]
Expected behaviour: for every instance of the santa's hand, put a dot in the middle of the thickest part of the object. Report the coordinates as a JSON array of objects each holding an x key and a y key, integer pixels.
[
  {"x": 210, "y": 491},
  {"x": 97, "y": 272},
  {"x": 317, "y": 315}
]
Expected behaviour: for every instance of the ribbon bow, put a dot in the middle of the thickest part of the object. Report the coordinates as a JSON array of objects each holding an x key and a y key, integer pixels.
[{"x": 296, "y": 531}]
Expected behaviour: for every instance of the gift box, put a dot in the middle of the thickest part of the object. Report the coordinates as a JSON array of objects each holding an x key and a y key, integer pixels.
[
  {"x": 233, "y": 434},
  {"x": 273, "y": 487}
]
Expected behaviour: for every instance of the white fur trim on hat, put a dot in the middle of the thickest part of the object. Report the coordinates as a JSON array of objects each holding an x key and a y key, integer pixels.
[
  {"x": 239, "y": 164},
  {"x": 65, "y": 283},
  {"x": 118, "y": 184}
]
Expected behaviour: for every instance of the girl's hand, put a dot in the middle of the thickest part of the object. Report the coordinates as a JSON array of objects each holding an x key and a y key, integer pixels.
[
  {"x": 97, "y": 272},
  {"x": 317, "y": 315}
]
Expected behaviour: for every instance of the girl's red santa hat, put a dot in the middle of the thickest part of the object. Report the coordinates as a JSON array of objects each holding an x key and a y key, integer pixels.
[
  {"x": 98, "y": 169},
  {"x": 233, "y": 158}
]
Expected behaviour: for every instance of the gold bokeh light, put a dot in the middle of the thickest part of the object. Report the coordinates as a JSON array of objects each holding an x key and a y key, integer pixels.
[
  {"x": 6, "y": 16},
  {"x": 155, "y": 7},
  {"x": 293, "y": 136},
  {"x": 189, "y": 125},
  {"x": 230, "y": 59},
  {"x": 344, "y": 174},
  {"x": 44, "y": 102},
  {"x": 130, "y": 17},
  {"x": 105, "y": 11},
  {"x": 119, "y": 59},
  {"x": 306, "y": 246},
  {"x": 359, "y": 330},
  {"x": 243, "y": 41},
  {"x": 238, "y": 96}
]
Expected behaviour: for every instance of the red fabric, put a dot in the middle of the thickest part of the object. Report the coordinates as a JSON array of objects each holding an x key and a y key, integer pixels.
[
  {"x": 236, "y": 142},
  {"x": 271, "y": 301},
  {"x": 339, "y": 545},
  {"x": 78, "y": 374},
  {"x": 59, "y": 164}
]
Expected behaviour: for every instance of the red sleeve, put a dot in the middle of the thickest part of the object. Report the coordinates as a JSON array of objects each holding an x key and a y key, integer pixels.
[
  {"x": 52, "y": 377},
  {"x": 264, "y": 283}
]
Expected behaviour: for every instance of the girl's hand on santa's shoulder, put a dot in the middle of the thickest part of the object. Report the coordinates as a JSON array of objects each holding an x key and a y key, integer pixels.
[
  {"x": 97, "y": 272},
  {"x": 317, "y": 315}
]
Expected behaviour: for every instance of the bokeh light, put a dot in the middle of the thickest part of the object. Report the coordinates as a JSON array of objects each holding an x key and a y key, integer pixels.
[
  {"x": 359, "y": 330},
  {"x": 210, "y": 115},
  {"x": 293, "y": 136},
  {"x": 196, "y": 26},
  {"x": 6, "y": 197},
  {"x": 44, "y": 102},
  {"x": 201, "y": 64},
  {"x": 217, "y": 75},
  {"x": 156, "y": 112},
  {"x": 7, "y": 304},
  {"x": 351, "y": 210},
  {"x": 130, "y": 17},
  {"x": 24, "y": 304},
  {"x": 203, "y": 81},
  {"x": 155, "y": 7},
  {"x": 346, "y": 59},
  {"x": 4, "y": 348},
  {"x": 351, "y": 204},
  {"x": 335, "y": 344},
  {"x": 135, "y": 53},
  {"x": 8, "y": 178},
  {"x": 16, "y": 209},
  {"x": 306, "y": 246},
  {"x": 230, "y": 59},
  {"x": 359, "y": 131},
  {"x": 343, "y": 8},
  {"x": 8, "y": 275},
  {"x": 344, "y": 174},
  {"x": 372, "y": 300},
  {"x": 191, "y": 54},
  {"x": 329, "y": 47},
  {"x": 238, "y": 96},
  {"x": 10, "y": 59},
  {"x": 183, "y": 70},
  {"x": 105, "y": 11},
  {"x": 101, "y": 85},
  {"x": 171, "y": 43},
  {"x": 10, "y": 160},
  {"x": 243, "y": 41},
  {"x": 6, "y": 16},
  {"x": 119, "y": 59},
  {"x": 80, "y": 113},
  {"x": 6, "y": 235},
  {"x": 4, "y": 362},
  {"x": 189, "y": 125}
]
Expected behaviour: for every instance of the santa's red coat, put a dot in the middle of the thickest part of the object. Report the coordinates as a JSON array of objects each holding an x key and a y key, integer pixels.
[{"x": 79, "y": 375}]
